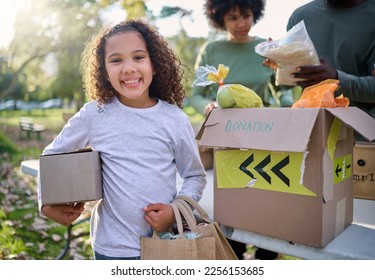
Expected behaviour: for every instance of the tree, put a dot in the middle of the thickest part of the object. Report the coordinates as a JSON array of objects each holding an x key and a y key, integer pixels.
[
  {"x": 80, "y": 20},
  {"x": 50, "y": 36},
  {"x": 182, "y": 42},
  {"x": 57, "y": 29},
  {"x": 31, "y": 42}
]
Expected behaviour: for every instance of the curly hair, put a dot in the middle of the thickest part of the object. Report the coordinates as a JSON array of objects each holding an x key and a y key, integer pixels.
[
  {"x": 216, "y": 9},
  {"x": 166, "y": 83}
]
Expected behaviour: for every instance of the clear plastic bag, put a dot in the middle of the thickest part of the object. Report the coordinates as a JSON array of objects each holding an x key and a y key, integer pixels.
[{"x": 293, "y": 50}]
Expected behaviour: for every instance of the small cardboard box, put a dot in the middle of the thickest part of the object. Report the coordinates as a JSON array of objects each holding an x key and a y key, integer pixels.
[
  {"x": 70, "y": 177},
  {"x": 285, "y": 173},
  {"x": 364, "y": 170}
]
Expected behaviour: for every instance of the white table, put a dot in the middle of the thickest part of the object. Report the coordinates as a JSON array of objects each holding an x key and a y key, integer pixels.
[{"x": 356, "y": 242}]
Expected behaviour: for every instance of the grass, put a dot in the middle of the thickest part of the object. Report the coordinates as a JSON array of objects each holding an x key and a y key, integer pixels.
[{"x": 50, "y": 118}]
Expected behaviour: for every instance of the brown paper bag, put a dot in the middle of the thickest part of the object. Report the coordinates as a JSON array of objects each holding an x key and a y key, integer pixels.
[
  {"x": 201, "y": 248},
  {"x": 210, "y": 245},
  {"x": 223, "y": 251}
]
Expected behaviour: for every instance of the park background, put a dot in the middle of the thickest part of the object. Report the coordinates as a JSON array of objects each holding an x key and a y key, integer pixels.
[{"x": 41, "y": 42}]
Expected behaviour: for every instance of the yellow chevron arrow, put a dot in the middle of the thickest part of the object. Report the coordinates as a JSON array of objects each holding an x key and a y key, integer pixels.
[{"x": 258, "y": 170}]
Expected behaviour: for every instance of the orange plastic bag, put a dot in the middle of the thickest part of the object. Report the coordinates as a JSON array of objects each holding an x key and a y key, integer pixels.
[{"x": 321, "y": 95}]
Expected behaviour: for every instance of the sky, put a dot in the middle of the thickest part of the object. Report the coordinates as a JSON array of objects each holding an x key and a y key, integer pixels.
[{"x": 273, "y": 23}]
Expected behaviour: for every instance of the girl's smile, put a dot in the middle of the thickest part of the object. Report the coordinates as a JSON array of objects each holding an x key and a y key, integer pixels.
[{"x": 132, "y": 83}]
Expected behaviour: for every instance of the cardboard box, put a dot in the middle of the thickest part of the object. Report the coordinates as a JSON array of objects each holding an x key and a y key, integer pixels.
[
  {"x": 285, "y": 173},
  {"x": 206, "y": 154},
  {"x": 70, "y": 177},
  {"x": 364, "y": 170}
]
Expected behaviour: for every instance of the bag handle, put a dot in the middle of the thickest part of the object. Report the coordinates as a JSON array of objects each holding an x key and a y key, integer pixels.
[
  {"x": 187, "y": 213},
  {"x": 178, "y": 218},
  {"x": 179, "y": 207},
  {"x": 195, "y": 205}
]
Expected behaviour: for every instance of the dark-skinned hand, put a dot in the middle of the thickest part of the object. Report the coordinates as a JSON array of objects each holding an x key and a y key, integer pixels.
[{"x": 314, "y": 74}]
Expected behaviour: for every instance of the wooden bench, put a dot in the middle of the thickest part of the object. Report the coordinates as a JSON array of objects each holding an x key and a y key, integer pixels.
[{"x": 27, "y": 125}]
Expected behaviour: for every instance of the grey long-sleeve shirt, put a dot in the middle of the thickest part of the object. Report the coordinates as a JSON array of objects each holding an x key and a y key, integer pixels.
[{"x": 141, "y": 150}]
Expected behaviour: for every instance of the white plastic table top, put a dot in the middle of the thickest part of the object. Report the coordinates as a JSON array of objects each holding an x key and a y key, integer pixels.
[{"x": 355, "y": 242}]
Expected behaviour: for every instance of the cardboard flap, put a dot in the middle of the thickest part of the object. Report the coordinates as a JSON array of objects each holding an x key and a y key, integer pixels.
[
  {"x": 200, "y": 132},
  {"x": 275, "y": 129},
  {"x": 357, "y": 119}
]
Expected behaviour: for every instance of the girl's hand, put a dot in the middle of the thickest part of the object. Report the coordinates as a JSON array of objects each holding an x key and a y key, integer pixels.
[
  {"x": 63, "y": 214},
  {"x": 159, "y": 216}
]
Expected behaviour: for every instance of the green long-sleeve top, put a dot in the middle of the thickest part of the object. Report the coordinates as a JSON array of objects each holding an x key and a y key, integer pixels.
[
  {"x": 346, "y": 39},
  {"x": 246, "y": 68}
]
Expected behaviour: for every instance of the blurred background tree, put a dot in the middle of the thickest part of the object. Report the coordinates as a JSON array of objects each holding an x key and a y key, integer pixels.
[
  {"x": 47, "y": 45},
  {"x": 43, "y": 59}
]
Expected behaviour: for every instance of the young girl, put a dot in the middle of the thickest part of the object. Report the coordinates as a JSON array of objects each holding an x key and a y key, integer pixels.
[{"x": 136, "y": 123}]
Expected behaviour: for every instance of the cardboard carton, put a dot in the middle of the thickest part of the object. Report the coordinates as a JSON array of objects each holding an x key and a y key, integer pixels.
[
  {"x": 285, "y": 173},
  {"x": 364, "y": 170},
  {"x": 70, "y": 177},
  {"x": 206, "y": 154}
]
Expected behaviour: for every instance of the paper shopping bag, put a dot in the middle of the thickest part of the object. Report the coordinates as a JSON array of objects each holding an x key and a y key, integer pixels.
[
  {"x": 209, "y": 242},
  {"x": 223, "y": 250},
  {"x": 181, "y": 247},
  {"x": 155, "y": 248}
]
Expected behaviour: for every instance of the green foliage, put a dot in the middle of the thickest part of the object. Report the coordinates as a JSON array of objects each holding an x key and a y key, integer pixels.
[
  {"x": 14, "y": 155},
  {"x": 180, "y": 43},
  {"x": 5, "y": 77},
  {"x": 9, "y": 247},
  {"x": 46, "y": 50},
  {"x": 167, "y": 11},
  {"x": 6, "y": 145},
  {"x": 194, "y": 116},
  {"x": 134, "y": 8}
]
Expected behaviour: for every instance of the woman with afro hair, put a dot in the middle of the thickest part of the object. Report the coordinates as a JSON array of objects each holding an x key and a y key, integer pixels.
[{"x": 236, "y": 18}]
